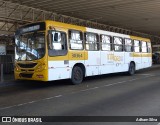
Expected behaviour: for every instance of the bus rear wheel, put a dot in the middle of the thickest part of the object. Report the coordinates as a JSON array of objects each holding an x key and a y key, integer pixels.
[
  {"x": 77, "y": 75},
  {"x": 131, "y": 70}
]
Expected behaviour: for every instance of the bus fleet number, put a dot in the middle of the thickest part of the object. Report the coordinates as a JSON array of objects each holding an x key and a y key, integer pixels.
[{"x": 75, "y": 55}]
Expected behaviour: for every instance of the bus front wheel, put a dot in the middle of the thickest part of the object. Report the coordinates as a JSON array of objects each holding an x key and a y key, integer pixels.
[
  {"x": 77, "y": 75},
  {"x": 131, "y": 70}
]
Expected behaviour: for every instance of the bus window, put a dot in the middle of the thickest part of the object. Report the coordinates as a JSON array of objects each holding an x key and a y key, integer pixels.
[
  {"x": 128, "y": 45},
  {"x": 118, "y": 44},
  {"x": 149, "y": 47},
  {"x": 58, "y": 41},
  {"x": 91, "y": 41},
  {"x": 76, "y": 40},
  {"x": 106, "y": 43},
  {"x": 144, "y": 46},
  {"x": 136, "y": 46}
]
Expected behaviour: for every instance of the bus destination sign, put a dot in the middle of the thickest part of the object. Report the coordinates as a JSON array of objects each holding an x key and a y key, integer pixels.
[{"x": 31, "y": 28}]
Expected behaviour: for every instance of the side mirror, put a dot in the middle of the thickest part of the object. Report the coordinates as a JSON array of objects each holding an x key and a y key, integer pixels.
[
  {"x": 49, "y": 31},
  {"x": 50, "y": 39}
]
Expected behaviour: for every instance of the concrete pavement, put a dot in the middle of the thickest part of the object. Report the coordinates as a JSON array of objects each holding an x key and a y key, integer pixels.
[{"x": 107, "y": 95}]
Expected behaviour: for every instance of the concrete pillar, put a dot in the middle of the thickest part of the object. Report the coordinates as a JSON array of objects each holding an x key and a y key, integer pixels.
[{"x": 1, "y": 72}]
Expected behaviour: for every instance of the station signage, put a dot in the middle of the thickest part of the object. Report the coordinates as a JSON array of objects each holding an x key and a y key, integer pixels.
[{"x": 2, "y": 49}]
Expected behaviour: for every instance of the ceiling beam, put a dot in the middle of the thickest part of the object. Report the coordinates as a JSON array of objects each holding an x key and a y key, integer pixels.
[{"x": 23, "y": 14}]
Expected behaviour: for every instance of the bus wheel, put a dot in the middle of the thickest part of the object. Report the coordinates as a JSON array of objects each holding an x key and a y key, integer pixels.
[
  {"x": 77, "y": 75},
  {"x": 131, "y": 70}
]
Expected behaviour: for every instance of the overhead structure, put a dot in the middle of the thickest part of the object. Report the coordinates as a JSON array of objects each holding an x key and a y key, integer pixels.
[{"x": 134, "y": 17}]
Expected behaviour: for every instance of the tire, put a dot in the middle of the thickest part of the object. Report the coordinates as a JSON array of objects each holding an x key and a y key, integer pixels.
[
  {"x": 77, "y": 75},
  {"x": 131, "y": 70}
]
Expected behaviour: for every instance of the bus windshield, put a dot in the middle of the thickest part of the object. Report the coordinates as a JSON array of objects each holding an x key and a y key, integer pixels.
[{"x": 30, "y": 46}]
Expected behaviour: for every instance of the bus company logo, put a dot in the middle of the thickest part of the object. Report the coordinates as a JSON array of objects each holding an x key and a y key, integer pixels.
[
  {"x": 6, "y": 119},
  {"x": 112, "y": 57}
]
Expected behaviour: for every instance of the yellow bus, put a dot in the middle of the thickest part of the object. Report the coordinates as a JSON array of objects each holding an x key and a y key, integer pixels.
[{"x": 50, "y": 50}]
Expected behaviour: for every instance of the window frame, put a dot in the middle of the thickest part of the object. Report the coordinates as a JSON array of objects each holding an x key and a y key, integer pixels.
[
  {"x": 142, "y": 47},
  {"x": 98, "y": 41},
  {"x": 81, "y": 33},
  {"x": 53, "y": 52},
  {"x": 137, "y": 46},
  {"x": 132, "y": 46},
  {"x": 118, "y": 44}
]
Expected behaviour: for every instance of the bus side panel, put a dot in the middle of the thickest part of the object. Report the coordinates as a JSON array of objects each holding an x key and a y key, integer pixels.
[
  {"x": 138, "y": 60},
  {"x": 150, "y": 60},
  {"x": 76, "y": 57},
  {"x": 58, "y": 70},
  {"x": 107, "y": 64},
  {"x": 128, "y": 58},
  {"x": 93, "y": 63},
  {"x": 146, "y": 60},
  {"x": 58, "y": 67},
  {"x": 119, "y": 62}
]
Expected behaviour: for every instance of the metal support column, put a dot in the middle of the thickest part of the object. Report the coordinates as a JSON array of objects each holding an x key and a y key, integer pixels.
[{"x": 1, "y": 72}]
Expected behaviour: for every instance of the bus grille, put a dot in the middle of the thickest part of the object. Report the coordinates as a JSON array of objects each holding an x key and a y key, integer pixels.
[
  {"x": 26, "y": 75},
  {"x": 31, "y": 65}
]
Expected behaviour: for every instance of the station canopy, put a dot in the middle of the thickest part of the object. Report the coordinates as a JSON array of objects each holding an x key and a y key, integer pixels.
[{"x": 125, "y": 16}]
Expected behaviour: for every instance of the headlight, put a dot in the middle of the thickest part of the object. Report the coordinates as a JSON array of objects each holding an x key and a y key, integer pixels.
[{"x": 17, "y": 68}]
